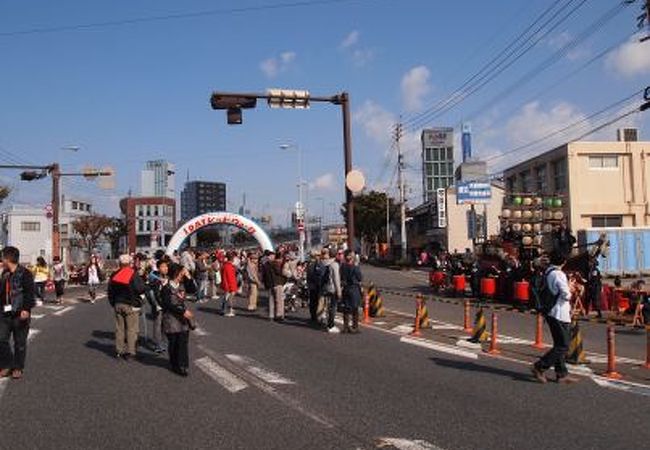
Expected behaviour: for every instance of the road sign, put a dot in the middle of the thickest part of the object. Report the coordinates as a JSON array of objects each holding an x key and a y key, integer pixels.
[{"x": 473, "y": 192}]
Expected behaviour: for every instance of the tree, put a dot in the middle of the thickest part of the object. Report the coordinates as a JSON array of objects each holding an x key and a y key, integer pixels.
[
  {"x": 370, "y": 215},
  {"x": 90, "y": 228},
  {"x": 114, "y": 233},
  {"x": 4, "y": 193}
]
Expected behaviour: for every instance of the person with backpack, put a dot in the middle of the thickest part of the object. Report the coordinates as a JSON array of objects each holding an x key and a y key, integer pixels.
[
  {"x": 555, "y": 303},
  {"x": 125, "y": 289},
  {"x": 331, "y": 287}
]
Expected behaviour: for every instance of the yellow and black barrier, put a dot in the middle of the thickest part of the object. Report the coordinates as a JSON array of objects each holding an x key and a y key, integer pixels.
[
  {"x": 479, "y": 333},
  {"x": 576, "y": 353},
  {"x": 376, "y": 302},
  {"x": 424, "y": 314}
]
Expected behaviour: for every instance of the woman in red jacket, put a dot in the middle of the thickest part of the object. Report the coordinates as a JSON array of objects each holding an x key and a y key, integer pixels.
[{"x": 228, "y": 285}]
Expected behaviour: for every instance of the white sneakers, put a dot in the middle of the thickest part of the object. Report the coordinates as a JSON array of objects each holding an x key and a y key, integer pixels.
[
  {"x": 230, "y": 313},
  {"x": 334, "y": 330}
]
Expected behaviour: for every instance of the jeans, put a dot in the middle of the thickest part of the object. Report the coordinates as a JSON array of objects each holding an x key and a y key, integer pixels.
[
  {"x": 332, "y": 303},
  {"x": 556, "y": 356},
  {"x": 203, "y": 288},
  {"x": 126, "y": 329},
  {"x": 178, "y": 349},
  {"x": 40, "y": 290},
  {"x": 11, "y": 325}
]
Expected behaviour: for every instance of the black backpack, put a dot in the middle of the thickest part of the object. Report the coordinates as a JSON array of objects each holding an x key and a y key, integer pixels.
[{"x": 545, "y": 300}]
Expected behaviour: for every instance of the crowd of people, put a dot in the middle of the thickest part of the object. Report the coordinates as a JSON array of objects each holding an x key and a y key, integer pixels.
[{"x": 328, "y": 282}]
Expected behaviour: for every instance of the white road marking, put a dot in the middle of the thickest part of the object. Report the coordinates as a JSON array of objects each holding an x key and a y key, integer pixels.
[
  {"x": 258, "y": 370},
  {"x": 446, "y": 327},
  {"x": 54, "y": 307},
  {"x": 463, "y": 342},
  {"x": 200, "y": 332},
  {"x": 231, "y": 382},
  {"x": 622, "y": 385},
  {"x": 602, "y": 359},
  {"x": 271, "y": 391},
  {"x": 3, "y": 385},
  {"x": 63, "y": 311},
  {"x": 37, "y": 316},
  {"x": 402, "y": 329},
  {"x": 439, "y": 347},
  {"x": 406, "y": 444},
  {"x": 32, "y": 333},
  {"x": 379, "y": 322}
]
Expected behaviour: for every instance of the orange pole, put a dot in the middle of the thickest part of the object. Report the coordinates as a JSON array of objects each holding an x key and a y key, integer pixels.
[
  {"x": 493, "y": 350},
  {"x": 611, "y": 354},
  {"x": 418, "y": 307},
  {"x": 366, "y": 308},
  {"x": 539, "y": 332},
  {"x": 647, "y": 347},
  {"x": 467, "y": 321}
]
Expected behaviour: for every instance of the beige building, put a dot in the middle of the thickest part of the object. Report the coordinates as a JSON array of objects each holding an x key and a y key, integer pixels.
[
  {"x": 605, "y": 184},
  {"x": 425, "y": 229}
]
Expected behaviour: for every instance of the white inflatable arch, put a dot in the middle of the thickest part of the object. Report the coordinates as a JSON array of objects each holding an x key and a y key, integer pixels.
[{"x": 219, "y": 218}]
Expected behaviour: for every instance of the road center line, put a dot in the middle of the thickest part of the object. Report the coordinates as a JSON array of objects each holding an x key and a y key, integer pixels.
[
  {"x": 439, "y": 347},
  {"x": 231, "y": 382},
  {"x": 271, "y": 391},
  {"x": 63, "y": 311},
  {"x": 258, "y": 370}
]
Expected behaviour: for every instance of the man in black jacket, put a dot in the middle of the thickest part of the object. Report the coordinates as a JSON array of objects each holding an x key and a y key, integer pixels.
[
  {"x": 125, "y": 289},
  {"x": 17, "y": 299}
]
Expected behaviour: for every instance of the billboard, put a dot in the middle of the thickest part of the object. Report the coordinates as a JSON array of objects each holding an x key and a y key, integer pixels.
[{"x": 473, "y": 192}]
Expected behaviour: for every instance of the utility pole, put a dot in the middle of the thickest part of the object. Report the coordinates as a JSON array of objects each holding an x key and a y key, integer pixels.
[
  {"x": 387, "y": 221},
  {"x": 402, "y": 191},
  {"x": 55, "y": 173}
]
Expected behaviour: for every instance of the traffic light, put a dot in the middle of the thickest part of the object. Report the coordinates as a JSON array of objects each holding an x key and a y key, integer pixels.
[
  {"x": 287, "y": 98},
  {"x": 234, "y": 116},
  {"x": 31, "y": 175}
]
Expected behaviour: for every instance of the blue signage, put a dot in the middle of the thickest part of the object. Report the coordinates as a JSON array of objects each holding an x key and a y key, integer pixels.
[{"x": 470, "y": 192}]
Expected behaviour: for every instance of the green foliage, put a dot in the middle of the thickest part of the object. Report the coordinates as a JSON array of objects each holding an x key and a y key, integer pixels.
[{"x": 370, "y": 215}]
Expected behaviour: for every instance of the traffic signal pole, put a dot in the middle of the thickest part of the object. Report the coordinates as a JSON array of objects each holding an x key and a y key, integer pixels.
[
  {"x": 55, "y": 173},
  {"x": 234, "y": 102}
]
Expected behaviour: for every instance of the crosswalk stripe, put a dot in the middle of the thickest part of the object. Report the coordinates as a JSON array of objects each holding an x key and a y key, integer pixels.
[
  {"x": 439, "y": 347},
  {"x": 54, "y": 307},
  {"x": 37, "y": 316},
  {"x": 63, "y": 311},
  {"x": 32, "y": 333},
  {"x": 407, "y": 444},
  {"x": 258, "y": 370},
  {"x": 200, "y": 332},
  {"x": 229, "y": 381}
]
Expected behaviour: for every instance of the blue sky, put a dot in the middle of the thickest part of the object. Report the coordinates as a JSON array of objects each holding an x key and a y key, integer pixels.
[{"x": 129, "y": 93}]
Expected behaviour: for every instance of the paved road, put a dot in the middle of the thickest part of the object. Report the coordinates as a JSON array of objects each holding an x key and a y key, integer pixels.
[{"x": 256, "y": 384}]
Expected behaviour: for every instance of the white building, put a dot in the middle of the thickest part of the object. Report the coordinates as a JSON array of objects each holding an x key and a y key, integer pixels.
[
  {"x": 158, "y": 179},
  {"x": 27, "y": 228},
  {"x": 71, "y": 209}
]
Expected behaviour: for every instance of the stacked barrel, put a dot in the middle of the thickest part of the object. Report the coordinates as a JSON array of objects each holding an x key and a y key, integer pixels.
[{"x": 531, "y": 217}]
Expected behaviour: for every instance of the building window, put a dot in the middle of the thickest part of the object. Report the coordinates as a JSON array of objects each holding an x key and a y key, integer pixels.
[
  {"x": 30, "y": 226},
  {"x": 75, "y": 205},
  {"x": 559, "y": 175},
  {"x": 540, "y": 179},
  {"x": 603, "y": 161},
  {"x": 607, "y": 221},
  {"x": 524, "y": 181}
]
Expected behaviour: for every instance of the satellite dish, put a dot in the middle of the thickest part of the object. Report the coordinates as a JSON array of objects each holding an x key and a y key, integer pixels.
[{"x": 355, "y": 181}]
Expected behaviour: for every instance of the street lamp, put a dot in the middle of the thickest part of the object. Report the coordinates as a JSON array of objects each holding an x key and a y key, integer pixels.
[{"x": 301, "y": 210}]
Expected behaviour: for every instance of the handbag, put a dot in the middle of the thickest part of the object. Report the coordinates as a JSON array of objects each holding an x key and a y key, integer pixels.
[{"x": 49, "y": 286}]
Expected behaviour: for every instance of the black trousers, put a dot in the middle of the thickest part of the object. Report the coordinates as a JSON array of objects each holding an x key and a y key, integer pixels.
[
  {"x": 179, "y": 357},
  {"x": 19, "y": 329},
  {"x": 313, "y": 305},
  {"x": 556, "y": 356}
]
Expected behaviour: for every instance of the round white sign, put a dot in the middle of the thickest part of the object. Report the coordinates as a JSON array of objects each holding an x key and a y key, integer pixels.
[{"x": 355, "y": 181}]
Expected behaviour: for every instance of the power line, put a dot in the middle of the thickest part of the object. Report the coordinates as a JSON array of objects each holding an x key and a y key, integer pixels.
[
  {"x": 575, "y": 124},
  {"x": 176, "y": 16},
  {"x": 521, "y": 45},
  {"x": 554, "y": 58}
]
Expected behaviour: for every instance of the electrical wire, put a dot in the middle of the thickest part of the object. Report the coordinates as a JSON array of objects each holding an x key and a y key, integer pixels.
[
  {"x": 177, "y": 16},
  {"x": 520, "y": 46}
]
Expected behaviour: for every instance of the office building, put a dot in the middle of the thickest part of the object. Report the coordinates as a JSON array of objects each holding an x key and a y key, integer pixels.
[
  {"x": 437, "y": 160},
  {"x": 150, "y": 222},
  {"x": 602, "y": 184},
  {"x": 158, "y": 179},
  {"x": 200, "y": 197}
]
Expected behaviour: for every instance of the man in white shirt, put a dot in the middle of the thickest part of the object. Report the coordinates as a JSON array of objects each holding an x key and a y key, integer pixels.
[{"x": 559, "y": 323}]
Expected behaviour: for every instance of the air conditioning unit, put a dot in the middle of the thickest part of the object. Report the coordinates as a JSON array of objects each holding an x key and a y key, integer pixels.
[{"x": 627, "y": 134}]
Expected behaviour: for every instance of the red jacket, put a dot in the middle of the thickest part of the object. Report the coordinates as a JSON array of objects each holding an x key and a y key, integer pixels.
[{"x": 228, "y": 277}]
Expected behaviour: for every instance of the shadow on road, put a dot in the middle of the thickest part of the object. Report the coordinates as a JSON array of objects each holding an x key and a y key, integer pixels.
[
  {"x": 474, "y": 367},
  {"x": 143, "y": 357}
]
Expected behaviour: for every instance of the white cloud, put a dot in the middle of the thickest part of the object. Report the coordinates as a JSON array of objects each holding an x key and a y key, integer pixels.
[
  {"x": 325, "y": 182},
  {"x": 631, "y": 58},
  {"x": 532, "y": 122},
  {"x": 274, "y": 66},
  {"x": 415, "y": 87},
  {"x": 351, "y": 39},
  {"x": 560, "y": 40},
  {"x": 376, "y": 122},
  {"x": 359, "y": 55}
]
